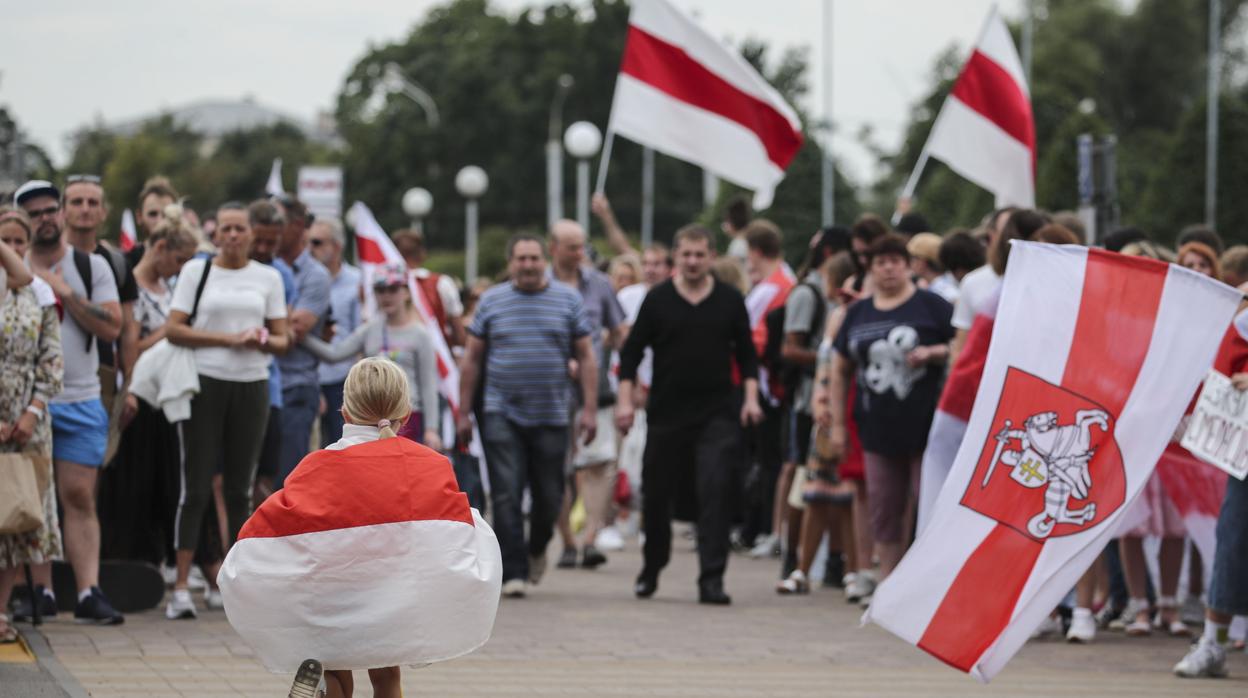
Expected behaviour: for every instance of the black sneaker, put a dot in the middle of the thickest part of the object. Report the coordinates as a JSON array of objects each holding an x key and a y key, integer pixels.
[
  {"x": 21, "y": 605},
  {"x": 97, "y": 610},
  {"x": 592, "y": 558},
  {"x": 567, "y": 560}
]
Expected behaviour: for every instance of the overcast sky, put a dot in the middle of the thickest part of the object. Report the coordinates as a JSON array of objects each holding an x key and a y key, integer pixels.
[{"x": 66, "y": 64}]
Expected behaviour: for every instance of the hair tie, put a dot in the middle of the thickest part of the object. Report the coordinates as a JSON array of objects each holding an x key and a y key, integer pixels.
[{"x": 383, "y": 424}]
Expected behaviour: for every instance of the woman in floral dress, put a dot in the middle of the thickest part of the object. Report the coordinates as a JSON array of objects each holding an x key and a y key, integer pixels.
[{"x": 30, "y": 375}]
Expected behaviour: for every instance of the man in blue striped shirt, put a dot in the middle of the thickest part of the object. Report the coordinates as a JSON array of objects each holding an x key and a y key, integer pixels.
[{"x": 526, "y": 331}]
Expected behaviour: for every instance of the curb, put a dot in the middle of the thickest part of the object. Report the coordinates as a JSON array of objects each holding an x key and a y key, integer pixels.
[{"x": 50, "y": 664}]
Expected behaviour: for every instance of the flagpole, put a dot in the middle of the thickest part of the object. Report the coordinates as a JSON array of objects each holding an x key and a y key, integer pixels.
[{"x": 605, "y": 161}]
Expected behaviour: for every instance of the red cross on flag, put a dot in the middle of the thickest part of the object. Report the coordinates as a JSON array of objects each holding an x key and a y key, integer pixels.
[
  {"x": 1093, "y": 359},
  {"x": 684, "y": 93}
]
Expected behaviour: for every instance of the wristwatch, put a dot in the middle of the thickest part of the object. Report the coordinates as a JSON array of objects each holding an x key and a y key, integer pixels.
[{"x": 37, "y": 411}]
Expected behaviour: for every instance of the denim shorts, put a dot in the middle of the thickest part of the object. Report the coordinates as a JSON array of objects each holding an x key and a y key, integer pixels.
[
  {"x": 79, "y": 432},
  {"x": 1228, "y": 590}
]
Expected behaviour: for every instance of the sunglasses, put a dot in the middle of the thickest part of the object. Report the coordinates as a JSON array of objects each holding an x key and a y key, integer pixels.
[
  {"x": 317, "y": 243},
  {"x": 388, "y": 288},
  {"x": 88, "y": 178}
]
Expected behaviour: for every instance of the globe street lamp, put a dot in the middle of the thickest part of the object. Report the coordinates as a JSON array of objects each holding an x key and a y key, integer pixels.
[
  {"x": 554, "y": 152},
  {"x": 582, "y": 139},
  {"x": 417, "y": 203},
  {"x": 471, "y": 182}
]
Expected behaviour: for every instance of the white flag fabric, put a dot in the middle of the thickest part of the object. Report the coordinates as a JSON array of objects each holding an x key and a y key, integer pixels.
[
  {"x": 1092, "y": 361},
  {"x": 985, "y": 130},
  {"x": 129, "y": 236},
  {"x": 683, "y": 93},
  {"x": 274, "y": 187}
]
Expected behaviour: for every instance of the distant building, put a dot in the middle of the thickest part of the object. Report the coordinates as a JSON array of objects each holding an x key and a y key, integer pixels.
[{"x": 215, "y": 118}]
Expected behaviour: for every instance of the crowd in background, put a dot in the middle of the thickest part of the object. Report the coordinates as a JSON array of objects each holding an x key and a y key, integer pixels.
[{"x": 602, "y": 393}]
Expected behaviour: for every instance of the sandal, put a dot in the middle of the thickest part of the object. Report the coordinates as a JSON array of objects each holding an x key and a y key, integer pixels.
[
  {"x": 8, "y": 634},
  {"x": 795, "y": 583},
  {"x": 1168, "y": 606}
]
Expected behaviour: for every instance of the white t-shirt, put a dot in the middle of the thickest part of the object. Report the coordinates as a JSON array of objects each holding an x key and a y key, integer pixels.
[
  {"x": 978, "y": 287},
  {"x": 234, "y": 300},
  {"x": 82, "y": 357},
  {"x": 630, "y": 298}
]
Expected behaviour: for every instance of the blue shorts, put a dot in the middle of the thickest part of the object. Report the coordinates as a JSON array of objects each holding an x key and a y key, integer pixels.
[{"x": 79, "y": 432}]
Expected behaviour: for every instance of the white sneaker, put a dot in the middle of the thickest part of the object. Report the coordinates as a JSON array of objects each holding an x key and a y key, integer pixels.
[
  {"x": 1206, "y": 659},
  {"x": 195, "y": 581},
  {"x": 1082, "y": 626},
  {"x": 862, "y": 585},
  {"x": 213, "y": 599},
  {"x": 609, "y": 539},
  {"x": 767, "y": 546},
  {"x": 1049, "y": 626},
  {"x": 514, "y": 589},
  {"x": 181, "y": 606}
]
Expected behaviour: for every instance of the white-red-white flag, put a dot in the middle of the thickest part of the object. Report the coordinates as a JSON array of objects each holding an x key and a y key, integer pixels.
[
  {"x": 369, "y": 556},
  {"x": 985, "y": 131},
  {"x": 683, "y": 93},
  {"x": 273, "y": 187},
  {"x": 129, "y": 236},
  {"x": 1093, "y": 359},
  {"x": 374, "y": 248}
]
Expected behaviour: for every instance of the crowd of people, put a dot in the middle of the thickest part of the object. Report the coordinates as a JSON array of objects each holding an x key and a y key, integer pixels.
[{"x": 802, "y": 415}]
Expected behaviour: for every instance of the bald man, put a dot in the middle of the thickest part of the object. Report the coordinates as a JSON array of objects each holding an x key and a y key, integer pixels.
[{"x": 593, "y": 464}]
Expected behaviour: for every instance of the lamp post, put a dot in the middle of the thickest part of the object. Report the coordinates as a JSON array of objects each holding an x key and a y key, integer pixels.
[
  {"x": 417, "y": 203},
  {"x": 582, "y": 139},
  {"x": 471, "y": 182},
  {"x": 554, "y": 152}
]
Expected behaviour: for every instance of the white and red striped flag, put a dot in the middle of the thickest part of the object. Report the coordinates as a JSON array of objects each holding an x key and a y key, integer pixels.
[
  {"x": 985, "y": 131},
  {"x": 374, "y": 248},
  {"x": 1092, "y": 362},
  {"x": 685, "y": 94},
  {"x": 129, "y": 236},
  {"x": 369, "y": 556}
]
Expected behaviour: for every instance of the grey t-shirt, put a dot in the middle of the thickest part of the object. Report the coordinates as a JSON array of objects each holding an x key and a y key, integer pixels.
[
  {"x": 410, "y": 347},
  {"x": 82, "y": 358},
  {"x": 800, "y": 316}
]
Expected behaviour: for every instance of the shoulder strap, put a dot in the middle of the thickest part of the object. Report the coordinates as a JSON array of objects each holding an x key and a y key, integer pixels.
[
  {"x": 117, "y": 265},
  {"x": 199, "y": 291},
  {"x": 82, "y": 261}
]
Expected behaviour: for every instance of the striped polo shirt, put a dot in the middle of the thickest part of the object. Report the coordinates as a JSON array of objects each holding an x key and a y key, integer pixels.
[{"x": 529, "y": 339}]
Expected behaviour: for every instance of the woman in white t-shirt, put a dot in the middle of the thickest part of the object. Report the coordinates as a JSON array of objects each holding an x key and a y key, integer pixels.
[{"x": 238, "y": 321}]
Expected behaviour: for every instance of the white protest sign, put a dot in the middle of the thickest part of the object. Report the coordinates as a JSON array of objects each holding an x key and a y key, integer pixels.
[
  {"x": 320, "y": 188},
  {"x": 1218, "y": 430}
]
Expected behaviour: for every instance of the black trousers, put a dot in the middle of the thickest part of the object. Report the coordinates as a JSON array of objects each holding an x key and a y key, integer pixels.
[{"x": 690, "y": 461}]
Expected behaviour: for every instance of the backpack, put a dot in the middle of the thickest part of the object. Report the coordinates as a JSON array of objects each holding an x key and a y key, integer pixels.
[{"x": 787, "y": 377}]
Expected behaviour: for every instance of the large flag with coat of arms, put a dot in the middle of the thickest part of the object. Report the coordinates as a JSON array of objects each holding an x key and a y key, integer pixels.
[{"x": 1093, "y": 359}]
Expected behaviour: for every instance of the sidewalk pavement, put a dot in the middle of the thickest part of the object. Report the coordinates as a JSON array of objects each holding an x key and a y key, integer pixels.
[{"x": 582, "y": 633}]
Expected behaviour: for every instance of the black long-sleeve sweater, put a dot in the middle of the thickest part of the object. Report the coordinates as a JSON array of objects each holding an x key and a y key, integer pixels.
[{"x": 693, "y": 350}]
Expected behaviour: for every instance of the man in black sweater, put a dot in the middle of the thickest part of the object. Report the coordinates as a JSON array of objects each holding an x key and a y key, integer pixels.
[{"x": 696, "y": 327}]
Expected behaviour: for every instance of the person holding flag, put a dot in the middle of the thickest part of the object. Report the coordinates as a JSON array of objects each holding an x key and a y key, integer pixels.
[{"x": 400, "y": 335}]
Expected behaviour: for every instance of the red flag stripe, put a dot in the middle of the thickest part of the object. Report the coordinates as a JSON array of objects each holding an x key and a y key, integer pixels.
[
  {"x": 368, "y": 251},
  {"x": 988, "y": 89},
  {"x": 666, "y": 67},
  {"x": 420, "y": 483},
  {"x": 1117, "y": 314}
]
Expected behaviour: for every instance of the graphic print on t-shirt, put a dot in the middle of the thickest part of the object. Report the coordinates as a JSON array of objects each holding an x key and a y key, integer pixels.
[{"x": 886, "y": 368}]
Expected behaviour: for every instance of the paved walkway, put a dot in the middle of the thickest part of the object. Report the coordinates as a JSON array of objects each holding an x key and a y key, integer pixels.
[{"x": 582, "y": 633}]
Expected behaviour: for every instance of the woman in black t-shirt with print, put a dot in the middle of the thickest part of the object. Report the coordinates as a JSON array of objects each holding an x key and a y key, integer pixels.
[{"x": 895, "y": 344}]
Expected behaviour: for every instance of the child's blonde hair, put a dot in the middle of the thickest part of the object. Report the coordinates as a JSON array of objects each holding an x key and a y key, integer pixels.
[{"x": 376, "y": 392}]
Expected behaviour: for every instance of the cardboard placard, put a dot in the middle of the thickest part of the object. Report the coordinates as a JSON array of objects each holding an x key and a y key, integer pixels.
[{"x": 1217, "y": 432}]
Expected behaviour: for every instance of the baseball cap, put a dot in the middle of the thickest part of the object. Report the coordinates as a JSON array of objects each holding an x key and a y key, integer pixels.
[
  {"x": 33, "y": 188},
  {"x": 390, "y": 275}
]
